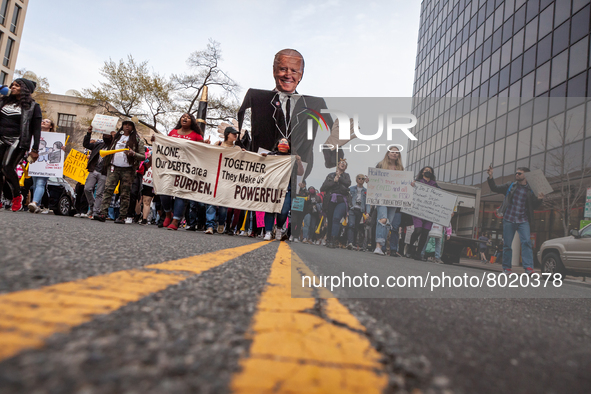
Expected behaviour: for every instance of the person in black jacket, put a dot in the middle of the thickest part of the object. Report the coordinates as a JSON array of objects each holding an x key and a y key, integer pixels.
[
  {"x": 336, "y": 200},
  {"x": 20, "y": 121},
  {"x": 517, "y": 211},
  {"x": 95, "y": 171}
]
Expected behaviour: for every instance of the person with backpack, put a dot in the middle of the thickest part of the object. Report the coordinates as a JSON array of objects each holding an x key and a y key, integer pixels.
[{"x": 517, "y": 211}]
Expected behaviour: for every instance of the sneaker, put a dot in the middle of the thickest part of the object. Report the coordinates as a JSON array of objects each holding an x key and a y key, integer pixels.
[
  {"x": 90, "y": 217},
  {"x": 190, "y": 228},
  {"x": 243, "y": 233},
  {"x": 34, "y": 208},
  {"x": 305, "y": 240},
  {"x": 144, "y": 222},
  {"x": 17, "y": 203},
  {"x": 119, "y": 220},
  {"x": 278, "y": 235},
  {"x": 378, "y": 251},
  {"x": 83, "y": 215},
  {"x": 267, "y": 236},
  {"x": 209, "y": 230},
  {"x": 99, "y": 217},
  {"x": 77, "y": 215},
  {"x": 530, "y": 271},
  {"x": 220, "y": 229},
  {"x": 439, "y": 261},
  {"x": 291, "y": 238},
  {"x": 350, "y": 246},
  {"x": 296, "y": 240},
  {"x": 394, "y": 253},
  {"x": 45, "y": 211},
  {"x": 507, "y": 271},
  {"x": 128, "y": 220}
]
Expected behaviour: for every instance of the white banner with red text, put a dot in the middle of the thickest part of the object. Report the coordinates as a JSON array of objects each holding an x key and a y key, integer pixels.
[{"x": 227, "y": 177}]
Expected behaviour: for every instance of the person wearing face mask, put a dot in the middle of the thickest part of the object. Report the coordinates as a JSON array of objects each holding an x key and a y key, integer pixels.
[
  {"x": 422, "y": 227},
  {"x": 95, "y": 177},
  {"x": 336, "y": 186},
  {"x": 47, "y": 125},
  {"x": 282, "y": 148}
]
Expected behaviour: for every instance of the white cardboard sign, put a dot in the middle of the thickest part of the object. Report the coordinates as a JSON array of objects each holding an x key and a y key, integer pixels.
[
  {"x": 538, "y": 182},
  {"x": 389, "y": 188},
  {"x": 432, "y": 204},
  {"x": 104, "y": 124}
]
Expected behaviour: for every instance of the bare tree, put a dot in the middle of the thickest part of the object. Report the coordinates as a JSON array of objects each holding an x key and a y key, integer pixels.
[
  {"x": 567, "y": 170},
  {"x": 129, "y": 90},
  {"x": 206, "y": 71}
]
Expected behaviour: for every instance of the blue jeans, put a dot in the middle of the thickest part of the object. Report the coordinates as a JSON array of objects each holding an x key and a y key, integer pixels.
[
  {"x": 393, "y": 224},
  {"x": 338, "y": 214},
  {"x": 353, "y": 226},
  {"x": 281, "y": 217},
  {"x": 527, "y": 255},
  {"x": 194, "y": 207},
  {"x": 178, "y": 210},
  {"x": 210, "y": 216},
  {"x": 39, "y": 184}
]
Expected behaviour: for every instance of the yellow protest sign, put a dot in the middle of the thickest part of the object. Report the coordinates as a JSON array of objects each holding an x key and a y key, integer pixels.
[{"x": 75, "y": 166}]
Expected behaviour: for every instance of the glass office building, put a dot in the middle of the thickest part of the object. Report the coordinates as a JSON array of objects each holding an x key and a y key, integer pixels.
[{"x": 499, "y": 81}]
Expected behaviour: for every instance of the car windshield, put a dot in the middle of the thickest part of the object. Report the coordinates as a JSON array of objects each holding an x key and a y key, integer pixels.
[{"x": 586, "y": 232}]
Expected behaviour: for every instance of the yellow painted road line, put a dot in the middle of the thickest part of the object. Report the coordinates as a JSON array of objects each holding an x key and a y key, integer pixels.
[
  {"x": 295, "y": 351},
  {"x": 29, "y": 317}
]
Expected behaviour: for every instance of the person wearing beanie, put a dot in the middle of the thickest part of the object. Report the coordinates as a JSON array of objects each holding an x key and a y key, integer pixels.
[
  {"x": 20, "y": 121},
  {"x": 120, "y": 168}
]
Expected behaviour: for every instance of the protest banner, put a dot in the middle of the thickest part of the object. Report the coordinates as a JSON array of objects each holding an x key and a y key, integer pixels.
[
  {"x": 51, "y": 156},
  {"x": 298, "y": 204},
  {"x": 538, "y": 182},
  {"x": 389, "y": 188},
  {"x": 227, "y": 177},
  {"x": 104, "y": 123},
  {"x": 432, "y": 204},
  {"x": 75, "y": 166}
]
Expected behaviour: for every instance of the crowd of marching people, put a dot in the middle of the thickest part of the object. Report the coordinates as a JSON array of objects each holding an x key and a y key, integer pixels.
[{"x": 119, "y": 188}]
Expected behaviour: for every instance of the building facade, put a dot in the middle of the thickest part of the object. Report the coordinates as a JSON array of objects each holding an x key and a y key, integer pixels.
[
  {"x": 503, "y": 82},
  {"x": 12, "y": 20}
]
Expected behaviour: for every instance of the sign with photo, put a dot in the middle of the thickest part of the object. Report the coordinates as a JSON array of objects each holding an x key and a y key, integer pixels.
[{"x": 51, "y": 156}]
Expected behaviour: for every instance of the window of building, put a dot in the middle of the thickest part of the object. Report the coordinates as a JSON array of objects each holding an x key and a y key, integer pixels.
[
  {"x": 559, "y": 68},
  {"x": 66, "y": 123},
  {"x": 3, "y": 10},
  {"x": 546, "y": 18},
  {"x": 578, "y": 57},
  {"x": 523, "y": 143},
  {"x": 538, "y": 137},
  {"x": 576, "y": 86},
  {"x": 531, "y": 33},
  {"x": 15, "y": 15},
  {"x": 3, "y": 77},
  {"x": 580, "y": 24},
  {"x": 542, "y": 78},
  {"x": 8, "y": 52}
]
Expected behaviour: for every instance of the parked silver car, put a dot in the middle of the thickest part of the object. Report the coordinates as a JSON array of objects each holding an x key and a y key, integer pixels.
[{"x": 570, "y": 254}]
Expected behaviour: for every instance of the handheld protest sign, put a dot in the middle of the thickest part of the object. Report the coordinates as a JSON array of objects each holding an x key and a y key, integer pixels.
[
  {"x": 432, "y": 204},
  {"x": 104, "y": 123},
  {"x": 75, "y": 166},
  {"x": 538, "y": 182},
  {"x": 297, "y": 204},
  {"x": 389, "y": 188},
  {"x": 51, "y": 156}
]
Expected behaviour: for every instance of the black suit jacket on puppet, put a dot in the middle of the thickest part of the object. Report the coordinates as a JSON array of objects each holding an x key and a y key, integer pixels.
[{"x": 268, "y": 124}]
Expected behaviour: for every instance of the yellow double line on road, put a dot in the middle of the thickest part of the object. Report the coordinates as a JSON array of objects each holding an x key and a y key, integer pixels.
[
  {"x": 29, "y": 317},
  {"x": 298, "y": 349},
  {"x": 303, "y": 345}
]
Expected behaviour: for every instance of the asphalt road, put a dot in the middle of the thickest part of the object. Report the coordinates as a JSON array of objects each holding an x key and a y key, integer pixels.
[{"x": 194, "y": 333}]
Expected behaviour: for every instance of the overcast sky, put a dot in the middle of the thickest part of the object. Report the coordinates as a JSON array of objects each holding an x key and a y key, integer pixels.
[{"x": 351, "y": 49}]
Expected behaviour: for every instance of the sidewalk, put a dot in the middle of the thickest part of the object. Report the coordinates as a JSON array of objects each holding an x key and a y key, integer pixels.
[{"x": 497, "y": 267}]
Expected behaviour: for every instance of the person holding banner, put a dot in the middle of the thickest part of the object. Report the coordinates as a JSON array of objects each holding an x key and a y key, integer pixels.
[
  {"x": 421, "y": 226},
  {"x": 389, "y": 218},
  {"x": 20, "y": 121},
  {"x": 121, "y": 168},
  {"x": 96, "y": 176},
  {"x": 517, "y": 211},
  {"x": 336, "y": 200},
  {"x": 39, "y": 182},
  {"x": 188, "y": 129},
  {"x": 282, "y": 148}
]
